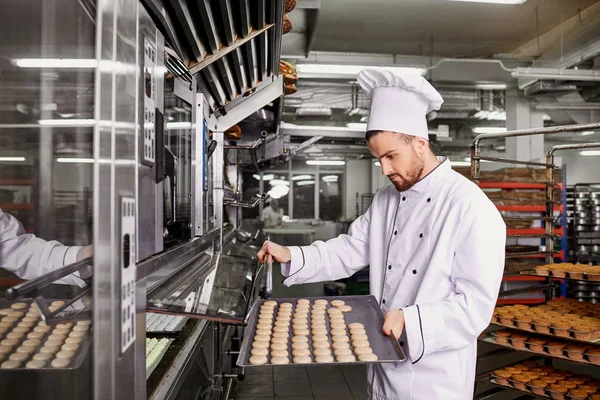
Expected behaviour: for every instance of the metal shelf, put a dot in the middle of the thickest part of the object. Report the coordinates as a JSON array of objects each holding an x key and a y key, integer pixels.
[
  {"x": 489, "y": 338},
  {"x": 516, "y": 185}
]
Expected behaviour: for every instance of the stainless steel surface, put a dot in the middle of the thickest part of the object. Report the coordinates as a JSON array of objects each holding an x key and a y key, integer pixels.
[
  {"x": 536, "y": 131},
  {"x": 575, "y": 146},
  {"x": 117, "y": 103},
  {"x": 365, "y": 310},
  {"x": 173, "y": 379},
  {"x": 199, "y": 167},
  {"x": 218, "y": 169}
]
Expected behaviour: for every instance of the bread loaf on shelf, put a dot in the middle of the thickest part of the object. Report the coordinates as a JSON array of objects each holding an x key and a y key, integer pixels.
[
  {"x": 287, "y": 24},
  {"x": 290, "y": 5}
]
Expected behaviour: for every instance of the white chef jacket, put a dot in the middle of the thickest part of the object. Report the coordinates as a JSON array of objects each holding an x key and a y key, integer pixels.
[
  {"x": 28, "y": 256},
  {"x": 436, "y": 251}
]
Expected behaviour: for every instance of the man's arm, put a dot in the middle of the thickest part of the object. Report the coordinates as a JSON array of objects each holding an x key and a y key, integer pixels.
[
  {"x": 335, "y": 259},
  {"x": 28, "y": 256},
  {"x": 478, "y": 266}
]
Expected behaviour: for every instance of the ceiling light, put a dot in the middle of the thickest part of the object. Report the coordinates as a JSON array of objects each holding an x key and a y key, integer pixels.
[
  {"x": 75, "y": 160},
  {"x": 557, "y": 74},
  {"x": 301, "y": 177},
  {"x": 279, "y": 191},
  {"x": 468, "y": 159},
  {"x": 278, "y": 182},
  {"x": 494, "y": 1},
  {"x": 489, "y": 129},
  {"x": 501, "y": 148},
  {"x": 12, "y": 159},
  {"x": 178, "y": 125},
  {"x": 340, "y": 70},
  {"x": 377, "y": 164},
  {"x": 590, "y": 153},
  {"x": 330, "y": 178},
  {"x": 460, "y": 163},
  {"x": 265, "y": 177},
  {"x": 325, "y": 162},
  {"x": 358, "y": 126},
  {"x": 305, "y": 183},
  {"x": 490, "y": 86},
  {"x": 55, "y": 63},
  {"x": 587, "y": 133},
  {"x": 67, "y": 122}
]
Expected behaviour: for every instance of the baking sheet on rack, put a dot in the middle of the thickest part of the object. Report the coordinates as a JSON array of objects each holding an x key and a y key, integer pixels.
[{"x": 365, "y": 310}]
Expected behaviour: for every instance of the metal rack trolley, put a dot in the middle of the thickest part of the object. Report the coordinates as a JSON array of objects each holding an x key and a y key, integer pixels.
[{"x": 549, "y": 233}]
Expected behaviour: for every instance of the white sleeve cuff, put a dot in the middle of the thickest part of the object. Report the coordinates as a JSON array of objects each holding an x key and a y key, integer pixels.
[
  {"x": 298, "y": 261},
  {"x": 71, "y": 255},
  {"x": 414, "y": 336}
]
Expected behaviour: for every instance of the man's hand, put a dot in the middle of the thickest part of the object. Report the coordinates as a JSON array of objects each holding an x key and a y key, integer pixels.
[
  {"x": 280, "y": 253},
  {"x": 85, "y": 252},
  {"x": 393, "y": 322}
]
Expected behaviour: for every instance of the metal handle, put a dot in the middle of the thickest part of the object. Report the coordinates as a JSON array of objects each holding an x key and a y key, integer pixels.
[
  {"x": 171, "y": 172},
  {"x": 267, "y": 289},
  {"x": 32, "y": 287},
  {"x": 211, "y": 149}
]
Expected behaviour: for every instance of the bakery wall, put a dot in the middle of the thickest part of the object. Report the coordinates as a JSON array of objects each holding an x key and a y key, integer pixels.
[{"x": 581, "y": 169}]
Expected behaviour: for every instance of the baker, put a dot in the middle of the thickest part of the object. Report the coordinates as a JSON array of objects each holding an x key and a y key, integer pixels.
[
  {"x": 434, "y": 243},
  {"x": 29, "y": 256}
]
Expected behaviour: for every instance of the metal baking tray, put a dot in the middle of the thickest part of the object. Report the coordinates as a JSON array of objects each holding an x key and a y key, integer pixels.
[{"x": 365, "y": 310}]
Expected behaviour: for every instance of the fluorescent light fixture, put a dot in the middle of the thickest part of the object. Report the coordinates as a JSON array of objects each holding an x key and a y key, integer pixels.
[
  {"x": 178, "y": 125},
  {"x": 330, "y": 178},
  {"x": 344, "y": 70},
  {"x": 67, "y": 122},
  {"x": 490, "y": 86},
  {"x": 587, "y": 133},
  {"x": 55, "y": 63},
  {"x": 460, "y": 164},
  {"x": 12, "y": 159},
  {"x": 490, "y": 115},
  {"x": 279, "y": 191},
  {"x": 590, "y": 153},
  {"x": 359, "y": 126},
  {"x": 305, "y": 183},
  {"x": 501, "y": 148},
  {"x": 278, "y": 182},
  {"x": 582, "y": 75},
  {"x": 494, "y": 1},
  {"x": 468, "y": 159},
  {"x": 325, "y": 162},
  {"x": 265, "y": 177},
  {"x": 74, "y": 160},
  {"x": 377, "y": 164},
  {"x": 489, "y": 129},
  {"x": 301, "y": 177}
]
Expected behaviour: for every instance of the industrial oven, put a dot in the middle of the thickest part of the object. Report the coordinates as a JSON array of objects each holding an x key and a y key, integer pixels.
[{"x": 165, "y": 80}]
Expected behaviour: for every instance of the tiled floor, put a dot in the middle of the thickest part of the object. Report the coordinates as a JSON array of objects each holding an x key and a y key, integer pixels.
[{"x": 302, "y": 383}]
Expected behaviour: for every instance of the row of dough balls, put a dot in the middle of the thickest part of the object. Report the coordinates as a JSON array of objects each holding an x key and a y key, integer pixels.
[{"x": 320, "y": 341}]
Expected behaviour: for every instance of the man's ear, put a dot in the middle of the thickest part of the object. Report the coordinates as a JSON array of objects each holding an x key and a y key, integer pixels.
[{"x": 421, "y": 145}]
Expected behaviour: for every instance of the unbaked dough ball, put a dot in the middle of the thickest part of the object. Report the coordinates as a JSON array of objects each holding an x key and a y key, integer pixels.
[
  {"x": 346, "y": 358},
  {"x": 61, "y": 362},
  {"x": 5, "y": 311},
  {"x": 302, "y": 360},
  {"x": 300, "y": 352},
  {"x": 286, "y": 305},
  {"x": 320, "y": 338},
  {"x": 285, "y": 334},
  {"x": 337, "y": 303},
  {"x": 19, "y": 357},
  {"x": 279, "y": 340},
  {"x": 57, "y": 303},
  {"x": 70, "y": 347},
  {"x": 262, "y": 338},
  {"x": 43, "y": 357},
  {"x": 359, "y": 336},
  {"x": 321, "y": 301},
  {"x": 271, "y": 303},
  {"x": 280, "y": 360},
  {"x": 362, "y": 350},
  {"x": 338, "y": 325},
  {"x": 299, "y": 339},
  {"x": 367, "y": 357},
  {"x": 299, "y": 345},
  {"x": 322, "y": 352},
  {"x": 256, "y": 352},
  {"x": 345, "y": 308},
  {"x": 278, "y": 346},
  {"x": 361, "y": 343},
  {"x": 35, "y": 364},
  {"x": 282, "y": 323},
  {"x": 321, "y": 345},
  {"x": 301, "y": 332},
  {"x": 279, "y": 353},
  {"x": 356, "y": 325},
  {"x": 335, "y": 332},
  {"x": 18, "y": 306},
  {"x": 358, "y": 331},
  {"x": 324, "y": 359},
  {"x": 258, "y": 360},
  {"x": 319, "y": 331},
  {"x": 340, "y": 345},
  {"x": 281, "y": 329},
  {"x": 10, "y": 364},
  {"x": 303, "y": 301},
  {"x": 342, "y": 351},
  {"x": 262, "y": 345},
  {"x": 340, "y": 338}
]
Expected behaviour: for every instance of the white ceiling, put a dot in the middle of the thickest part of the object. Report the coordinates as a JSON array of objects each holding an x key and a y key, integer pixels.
[{"x": 459, "y": 29}]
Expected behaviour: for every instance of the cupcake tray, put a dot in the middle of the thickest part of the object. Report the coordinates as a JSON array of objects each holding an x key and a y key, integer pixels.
[
  {"x": 365, "y": 310},
  {"x": 517, "y": 386},
  {"x": 491, "y": 338},
  {"x": 76, "y": 362},
  {"x": 580, "y": 276},
  {"x": 551, "y": 334}
]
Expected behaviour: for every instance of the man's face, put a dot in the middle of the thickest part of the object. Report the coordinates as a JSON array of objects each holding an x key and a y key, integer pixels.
[{"x": 401, "y": 161}]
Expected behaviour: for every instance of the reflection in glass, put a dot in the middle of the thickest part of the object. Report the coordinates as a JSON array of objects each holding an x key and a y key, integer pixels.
[
  {"x": 304, "y": 196},
  {"x": 330, "y": 197}
]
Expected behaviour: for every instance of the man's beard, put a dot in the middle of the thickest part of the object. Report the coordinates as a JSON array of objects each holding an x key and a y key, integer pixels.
[{"x": 412, "y": 176}]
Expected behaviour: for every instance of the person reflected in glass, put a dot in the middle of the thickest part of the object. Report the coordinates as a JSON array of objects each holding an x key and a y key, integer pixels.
[{"x": 272, "y": 215}]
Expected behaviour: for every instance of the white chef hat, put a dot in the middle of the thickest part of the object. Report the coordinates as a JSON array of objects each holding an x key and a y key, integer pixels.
[{"x": 399, "y": 102}]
